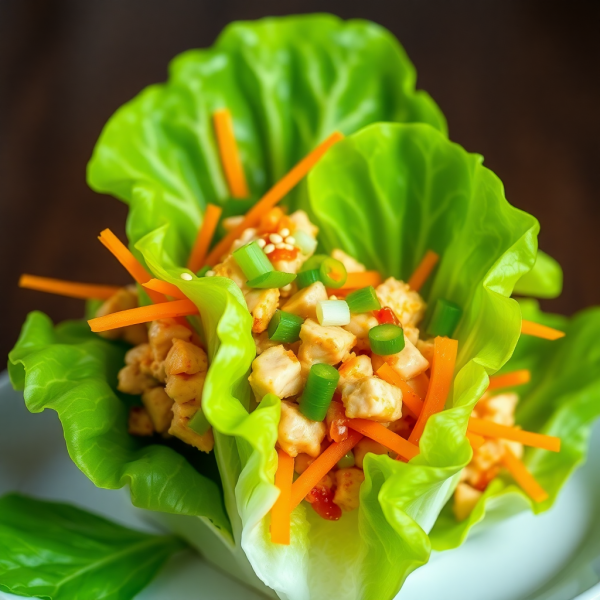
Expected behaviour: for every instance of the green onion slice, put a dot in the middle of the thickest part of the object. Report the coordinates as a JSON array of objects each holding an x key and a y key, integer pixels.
[
  {"x": 363, "y": 300},
  {"x": 306, "y": 244},
  {"x": 320, "y": 386},
  {"x": 347, "y": 461},
  {"x": 314, "y": 262},
  {"x": 273, "y": 279},
  {"x": 199, "y": 423},
  {"x": 285, "y": 327},
  {"x": 306, "y": 278},
  {"x": 333, "y": 312},
  {"x": 202, "y": 272},
  {"x": 333, "y": 273},
  {"x": 386, "y": 339},
  {"x": 252, "y": 260},
  {"x": 445, "y": 318}
]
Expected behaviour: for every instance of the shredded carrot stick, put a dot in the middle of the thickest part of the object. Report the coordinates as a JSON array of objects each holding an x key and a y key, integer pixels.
[
  {"x": 523, "y": 477},
  {"x": 321, "y": 466},
  {"x": 475, "y": 440},
  {"x": 541, "y": 331},
  {"x": 422, "y": 272},
  {"x": 212, "y": 214},
  {"x": 281, "y": 512},
  {"x": 389, "y": 439},
  {"x": 67, "y": 288},
  {"x": 143, "y": 314},
  {"x": 442, "y": 373},
  {"x": 509, "y": 379},
  {"x": 409, "y": 398},
  {"x": 272, "y": 197},
  {"x": 420, "y": 384},
  {"x": 361, "y": 280},
  {"x": 230, "y": 156},
  {"x": 489, "y": 428},
  {"x": 163, "y": 287}
]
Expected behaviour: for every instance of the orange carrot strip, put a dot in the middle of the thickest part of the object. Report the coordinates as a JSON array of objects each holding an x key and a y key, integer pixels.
[
  {"x": 389, "y": 439},
  {"x": 212, "y": 214},
  {"x": 321, "y": 466},
  {"x": 67, "y": 288},
  {"x": 475, "y": 440},
  {"x": 442, "y": 373},
  {"x": 409, "y": 398},
  {"x": 144, "y": 314},
  {"x": 422, "y": 272},
  {"x": 541, "y": 331},
  {"x": 489, "y": 428},
  {"x": 361, "y": 280},
  {"x": 281, "y": 512},
  {"x": 523, "y": 477},
  {"x": 272, "y": 197},
  {"x": 509, "y": 379},
  {"x": 164, "y": 287},
  {"x": 230, "y": 156}
]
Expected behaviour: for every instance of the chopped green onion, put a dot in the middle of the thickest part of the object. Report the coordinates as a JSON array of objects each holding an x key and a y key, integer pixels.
[
  {"x": 445, "y": 318},
  {"x": 252, "y": 260},
  {"x": 386, "y": 339},
  {"x": 306, "y": 278},
  {"x": 273, "y": 279},
  {"x": 306, "y": 244},
  {"x": 333, "y": 273},
  {"x": 314, "y": 262},
  {"x": 320, "y": 386},
  {"x": 202, "y": 272},
  {"x": 199, "y": 423},
  {"x": 363, "y": 300},
  {"x": 285, "y": 327},
  {"x": 346, "y": 461},
  {"x": 333, "y": 312}
]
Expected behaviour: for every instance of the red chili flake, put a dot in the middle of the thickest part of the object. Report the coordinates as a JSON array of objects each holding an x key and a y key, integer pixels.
[
  {"x": 282, "y": 254},
  {"x": 321, "y": 499},
  {"x": 386, "y": 315}
]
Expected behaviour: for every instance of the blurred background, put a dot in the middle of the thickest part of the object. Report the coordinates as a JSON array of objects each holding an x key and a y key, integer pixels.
[{"x": 518, "y": 80}]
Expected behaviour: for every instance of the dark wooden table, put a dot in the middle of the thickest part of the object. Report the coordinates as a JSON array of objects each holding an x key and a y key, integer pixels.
[{"x": 519, "y": 81}]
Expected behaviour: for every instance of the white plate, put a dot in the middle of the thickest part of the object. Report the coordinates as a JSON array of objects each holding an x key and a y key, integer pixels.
[{"x": 555, "y": 556}]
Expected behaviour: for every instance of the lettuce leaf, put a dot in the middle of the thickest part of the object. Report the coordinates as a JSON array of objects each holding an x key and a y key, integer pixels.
[
  {"x": 562, "y": 399},
  {"x": 57, "y": 551},
  {"x": 543, "y": 281},
  {"x": 289, "y": 83}
]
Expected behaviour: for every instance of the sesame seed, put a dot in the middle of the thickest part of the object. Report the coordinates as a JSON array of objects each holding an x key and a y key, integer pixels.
[
  {"x": 284, "y": 232},
  {"x": 186, "y": 276},
  {"x": 290, "y": 239},
  {"x": 269, "y": 248},
  {"x": 261, "y": 243},
  {"x": 276, "y": 238},
  {"x": 286, "y": 288},
  {"x": 210, "y": 274},
  {"x": 280, "y": 246},
  {"x": 288, "y": 246}
]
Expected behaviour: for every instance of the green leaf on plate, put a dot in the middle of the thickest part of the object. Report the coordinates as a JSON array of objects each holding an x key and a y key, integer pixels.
[
  {"x": 545, "y": 280},
  {"x": 56, "y": 551}
]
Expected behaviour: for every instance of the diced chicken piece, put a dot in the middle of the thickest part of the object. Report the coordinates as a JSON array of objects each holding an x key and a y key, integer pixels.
[
  {"x": 374, "y": 399},
  {"x": 302, "y": 462},
  {"x": 361, "y": 324},
  {"x": 138, "y": 354},
  {"x": 408, "y": 306},
  {"x": 126, "y": 298},
  {"x": 465, "y": 499},
  {"x": 185, "y": 357},
  {"x": 363, "y": 447},
  {"x": 403, "y": 426},
  {"x": 348, "y": 488},
  {"x": 499, "y": 408},
  {"x": 248, "y": 235},
  {"x": 353, "y": 369},
  {"x": 133, "y": 381},
  {"x": 262, "y": 304},
  {"x": 412, "y": 334},
  {"x": 408, "y": 363},
  {"x": 297, "y": 434},
  {"x": 328, "y": 345},
  {"x": 304, "y": 303},
  {"x": 184, "y": 388},
  {"x": 139, "y": 422},
  {"x": 161, "y": 335},
  {"x": 301, "y": 222},
  {"x": 351, "y": 264},
  {"x": 262, "y": 342},
  {"x": 425, "y": 348},
  {"x": 289, "y": 265},
  {"x": 135, "y": 334},
  {"x": 158, "y": 405},
  {"x": 276, "y": 371},
  {"x": 182, "y": 414},
  {"x": 230, "y": 269}
]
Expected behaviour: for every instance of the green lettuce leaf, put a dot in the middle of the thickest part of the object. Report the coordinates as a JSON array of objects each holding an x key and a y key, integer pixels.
[
  {"x": 73, "y": 371},
  {"x": 562, "y": 399},
  {"x": 543, "y": 281},
  {"x": 56, "y": 551},
  {"x": 289, "y": 82}
]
